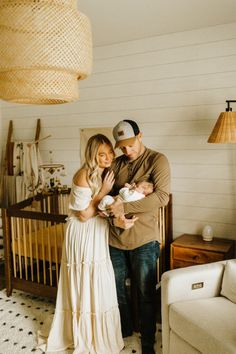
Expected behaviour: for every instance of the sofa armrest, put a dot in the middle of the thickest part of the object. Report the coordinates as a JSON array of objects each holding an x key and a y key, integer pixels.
[
  {"x": 178, "y": 284},
  {"x": 195, "y": 282}
]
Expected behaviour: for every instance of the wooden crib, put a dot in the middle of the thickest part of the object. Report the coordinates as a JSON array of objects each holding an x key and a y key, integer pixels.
[
  {"x": 33, "y": 237},
  {"x": 34, "y": 231}
]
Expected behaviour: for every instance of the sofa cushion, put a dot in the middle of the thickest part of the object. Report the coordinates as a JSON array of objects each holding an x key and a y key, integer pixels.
[
  {"x": 180, "y": 346},
  {"x": 207, "y": 324},
  {"x": 229, "y": 281}
]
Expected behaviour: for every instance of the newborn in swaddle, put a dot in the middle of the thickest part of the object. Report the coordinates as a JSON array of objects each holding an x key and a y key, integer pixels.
[{"x": 129, "y": 193}]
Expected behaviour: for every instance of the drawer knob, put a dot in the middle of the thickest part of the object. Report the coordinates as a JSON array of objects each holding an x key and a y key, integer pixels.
[{"x": 195, "y": 257}]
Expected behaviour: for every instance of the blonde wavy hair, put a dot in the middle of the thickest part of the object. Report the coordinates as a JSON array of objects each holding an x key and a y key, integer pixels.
[{"x": 91, "y": 164}]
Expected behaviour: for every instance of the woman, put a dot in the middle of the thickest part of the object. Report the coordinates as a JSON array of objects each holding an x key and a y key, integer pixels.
[{"x": 87, "y": 319}]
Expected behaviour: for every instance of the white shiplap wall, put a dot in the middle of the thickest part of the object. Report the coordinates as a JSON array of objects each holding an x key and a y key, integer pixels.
[{"x": 174, "y": 86}]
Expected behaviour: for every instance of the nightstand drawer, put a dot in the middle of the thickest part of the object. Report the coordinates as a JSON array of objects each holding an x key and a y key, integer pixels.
[
  {"x": 181, "y": 264},
  {"x": 195, "y": 256}
]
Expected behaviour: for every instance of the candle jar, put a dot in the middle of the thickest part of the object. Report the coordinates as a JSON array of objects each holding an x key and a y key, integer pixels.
[{"x": 207, "y": 233}]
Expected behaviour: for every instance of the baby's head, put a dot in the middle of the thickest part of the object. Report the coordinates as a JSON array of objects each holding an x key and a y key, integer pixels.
[{"x": 144, "y": 187}]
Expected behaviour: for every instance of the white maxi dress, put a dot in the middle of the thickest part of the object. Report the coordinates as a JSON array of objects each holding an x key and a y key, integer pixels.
[{"x": 86, "y": 319}]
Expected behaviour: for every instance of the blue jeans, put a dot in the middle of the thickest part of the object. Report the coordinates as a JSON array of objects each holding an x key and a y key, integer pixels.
[{"x": 139, "y": 264}]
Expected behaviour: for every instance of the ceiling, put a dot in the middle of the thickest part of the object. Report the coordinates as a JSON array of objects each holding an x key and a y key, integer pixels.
[{"x": 115, "y": 21}]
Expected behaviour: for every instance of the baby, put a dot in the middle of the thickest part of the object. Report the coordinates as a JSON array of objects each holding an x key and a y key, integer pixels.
[{"x": 129, "y": 193}]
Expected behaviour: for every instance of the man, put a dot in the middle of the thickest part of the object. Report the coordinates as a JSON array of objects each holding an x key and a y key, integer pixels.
[{"x": 135, "y": 250}]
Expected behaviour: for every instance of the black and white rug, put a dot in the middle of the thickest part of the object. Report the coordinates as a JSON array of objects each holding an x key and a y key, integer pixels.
[{"x": 22, "y": 315}]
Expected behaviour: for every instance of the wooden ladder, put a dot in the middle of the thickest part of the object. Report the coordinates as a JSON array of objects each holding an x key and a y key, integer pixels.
[{"x": 10, "y": 146}]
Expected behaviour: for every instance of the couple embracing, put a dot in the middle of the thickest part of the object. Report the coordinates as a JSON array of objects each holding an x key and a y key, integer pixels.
[{"x": 97, "y": 260}]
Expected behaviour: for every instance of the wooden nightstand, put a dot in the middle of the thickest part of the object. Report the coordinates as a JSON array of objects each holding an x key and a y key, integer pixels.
[{"x": 188, "y": 250}]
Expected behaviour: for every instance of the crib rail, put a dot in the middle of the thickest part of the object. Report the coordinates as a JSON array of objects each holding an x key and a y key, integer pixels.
[
  {"x": 166, "y": 237},
  {"x": 34, "y": 231}
]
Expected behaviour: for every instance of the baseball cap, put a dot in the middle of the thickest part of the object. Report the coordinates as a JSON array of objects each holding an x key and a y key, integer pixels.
[{"x": 125, "y": 132}]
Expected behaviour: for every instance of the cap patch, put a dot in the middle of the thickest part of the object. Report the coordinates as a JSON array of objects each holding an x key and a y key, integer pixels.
[{"x": 120, "y": 133}]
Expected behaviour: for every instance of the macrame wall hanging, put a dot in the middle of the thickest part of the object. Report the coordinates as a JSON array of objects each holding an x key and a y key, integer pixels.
[{"x": 45, "y": 48}]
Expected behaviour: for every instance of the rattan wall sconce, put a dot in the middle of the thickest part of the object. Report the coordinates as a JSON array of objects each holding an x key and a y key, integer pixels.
[
  {"x": 45, "y": 48},
  {"x": 224, "y": 131}
]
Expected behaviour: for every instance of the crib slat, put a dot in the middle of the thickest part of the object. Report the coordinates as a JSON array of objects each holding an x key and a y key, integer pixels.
[
  {"x": 13, "y": 245},
  {"x": 37, "y": 250},
  {"x": 56, "y": 252},
  {"x": 19, "y": 244},
  {"x": 48, "y": 204},
  {"x": 64, "y": 204},
  {"x": 49, "y": 253},
  {"x": 43, "y": 253},
  {"x": 31, "y": 250},
  {"x": 62, "y": 236},
  {"x": 24, "y": 249},
  {"x": 60, "y": 203}
]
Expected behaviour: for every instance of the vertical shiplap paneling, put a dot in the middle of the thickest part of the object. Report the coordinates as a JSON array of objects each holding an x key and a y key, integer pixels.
[{"x": 175, "y": 86}]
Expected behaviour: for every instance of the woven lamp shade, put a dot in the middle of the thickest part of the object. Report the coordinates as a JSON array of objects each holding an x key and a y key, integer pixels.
[
  {"x": 224, "y": 130},
  {"x": 45, "y": 48}
]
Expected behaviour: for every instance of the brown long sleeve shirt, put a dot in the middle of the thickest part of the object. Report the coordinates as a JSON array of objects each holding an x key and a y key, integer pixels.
[{"x": 153, "y": 166}]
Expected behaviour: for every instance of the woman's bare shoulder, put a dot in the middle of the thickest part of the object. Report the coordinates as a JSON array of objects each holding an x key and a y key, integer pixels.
[{"x": 81, "y": 178}]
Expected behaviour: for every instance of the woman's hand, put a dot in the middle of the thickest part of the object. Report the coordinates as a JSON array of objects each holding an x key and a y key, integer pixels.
[{"x": 107, "y": 183}]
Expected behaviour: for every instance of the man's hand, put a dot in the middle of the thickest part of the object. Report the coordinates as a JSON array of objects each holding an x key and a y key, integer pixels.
[
  {"x": 124, "y": 223},
  {"x": 102, "y": 214},
  {"x": 116, "y": 209}
]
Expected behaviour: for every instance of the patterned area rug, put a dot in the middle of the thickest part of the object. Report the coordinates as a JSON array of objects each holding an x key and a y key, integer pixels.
[{"x": 22, "y": 315}]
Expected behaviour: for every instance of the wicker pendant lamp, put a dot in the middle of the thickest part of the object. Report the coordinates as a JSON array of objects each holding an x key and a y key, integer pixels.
[
  {"x": 224, "y": 131},
  {"x": 45, "y": 48}
]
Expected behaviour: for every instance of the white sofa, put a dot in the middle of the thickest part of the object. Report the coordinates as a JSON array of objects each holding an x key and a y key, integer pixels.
[{"x": 199, "y": 309}]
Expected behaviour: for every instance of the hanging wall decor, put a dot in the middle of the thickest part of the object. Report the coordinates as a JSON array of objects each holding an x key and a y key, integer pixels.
[
  {"x": 45, "y": 48},
  {"x": 53, "y": 174}
]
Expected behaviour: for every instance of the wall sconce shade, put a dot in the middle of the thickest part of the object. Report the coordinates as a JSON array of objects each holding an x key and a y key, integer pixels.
[
  {"x": 224, "y": 131},
  {"x": 45, "y": 48}
]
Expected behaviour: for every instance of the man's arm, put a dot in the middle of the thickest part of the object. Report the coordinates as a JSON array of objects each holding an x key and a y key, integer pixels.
[{"x": 160, "y": 176}]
